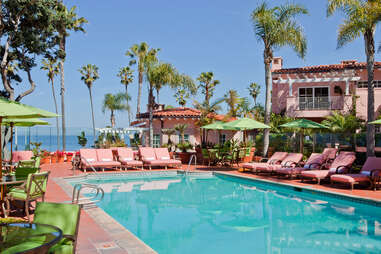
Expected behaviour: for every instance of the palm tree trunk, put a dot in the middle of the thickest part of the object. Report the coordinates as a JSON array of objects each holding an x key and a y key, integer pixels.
[
  {"x": 139, "y": 92},
  {"x": 369, "y": 50},
  {"x": 128, "y": 106},
  {"x": 62, "y": 70},
  {"x": 112, "y": 119},
  {"x": 92, "y": 110},
  {"x": 157, "y": 96},
  {"x": 57, "y": 121},
  {"x": 150, "y": 110},
  {"x": 268, "y": 80}
]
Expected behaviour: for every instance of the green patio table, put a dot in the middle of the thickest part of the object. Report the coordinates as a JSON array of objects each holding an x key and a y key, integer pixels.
[{"x": 28, "y": 238}]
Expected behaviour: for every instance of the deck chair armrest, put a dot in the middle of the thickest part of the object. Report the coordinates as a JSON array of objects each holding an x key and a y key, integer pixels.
[
  {"x": 272, "y": 162},
  {"x": 290, "y": 163},
  {"x": 316, "y": 164},
  {"x": 373, "y": 172},
  {"x": 342, "y": 167}
]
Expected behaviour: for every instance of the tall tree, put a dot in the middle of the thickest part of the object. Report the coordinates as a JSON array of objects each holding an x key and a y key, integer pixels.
[
  {"x": 115, "y": 103},
  {"x": 66, "y": 21},
  {"x": 157, "y": 74},
  {"x": 276, "y": 27},
  {"x": 233, "y": 101},
  {"x": 207, "y": 85},
  {"x": 126, "y": 78},
  {"x": 89, "y": 75},
  {"x": 50, "y": 65},
  {"x": 361, "y": 18},
  {"x": 185, "y": 87},
  {"x": 254, "y": 91},
  {"x": 142, "y": 55}
]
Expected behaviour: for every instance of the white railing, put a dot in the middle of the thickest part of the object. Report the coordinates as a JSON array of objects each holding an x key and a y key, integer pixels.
[{"x": 320, "y": 103}]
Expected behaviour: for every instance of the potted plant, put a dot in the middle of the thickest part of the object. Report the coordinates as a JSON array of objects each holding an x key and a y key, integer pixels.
[
  {"x": 60, "y": 156},
  {"x": 69, "y": 157},
  {"x": 45, "y": 157},
  {"x": 53, "y": 157},
  {"x": 183, "y": 154},
  {"x": 82, "y": 140}
]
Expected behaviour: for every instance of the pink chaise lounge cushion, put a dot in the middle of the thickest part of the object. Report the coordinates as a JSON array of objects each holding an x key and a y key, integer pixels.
[
  {"x": 278, "y": 156},
  {"x": 126, "y": 156},
  {"x": 21, "y": 156},
  {"x": 314, "y": 158}
]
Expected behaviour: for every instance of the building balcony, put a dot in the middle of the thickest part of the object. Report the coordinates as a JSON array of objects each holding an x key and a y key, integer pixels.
[{"x": 317, "y": 107}]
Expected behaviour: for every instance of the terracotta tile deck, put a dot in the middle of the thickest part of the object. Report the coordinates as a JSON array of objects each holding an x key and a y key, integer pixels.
[{"x": 93, "y": 239}]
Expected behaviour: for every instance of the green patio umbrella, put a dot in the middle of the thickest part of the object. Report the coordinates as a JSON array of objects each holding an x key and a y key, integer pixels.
[
  {"x": 376, "y": 122},
  {"x": 303, "y": 124},
  {"x": 246, "y": 124},
  {"x": 218, "y": 125},
  {"x": 22, "y": 122},
  {"x": 12, "y": 109}
]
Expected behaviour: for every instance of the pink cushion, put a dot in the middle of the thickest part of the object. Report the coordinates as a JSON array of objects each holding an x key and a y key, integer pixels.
[
  {"x": 290, "y": 171},
  {"x": 105, "y": 164},
  {"x": 350, "y": 178},
  {"x": 162, "y": 153},
  {"x": 343, "y": 159},
  {"x": 89, "y": 155},
  {"x": 147, "y": 153},
  {"x": 278, "y": 156},
  {"x": 371, "y": 163},
  {"x": 132, "y": 163},
  {"x": 156, "y": 163},
  {"x": 125, "y": 154},
  {"x": 330, "y": 153},
  {"x": 104, "y": 155},
  {"x": 21, "y": 156},
  {"x": 320, "y": 174}
]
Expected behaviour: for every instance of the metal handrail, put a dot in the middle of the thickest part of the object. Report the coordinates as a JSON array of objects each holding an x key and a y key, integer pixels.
[
  {"x": 87, "y": 201},
  {"x": 193, "y": 156}
]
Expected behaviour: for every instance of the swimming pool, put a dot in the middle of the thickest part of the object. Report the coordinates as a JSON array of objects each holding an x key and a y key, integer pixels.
[{"x": 206, "y": 213}]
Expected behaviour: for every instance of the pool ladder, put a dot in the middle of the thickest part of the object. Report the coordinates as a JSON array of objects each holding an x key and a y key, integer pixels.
[
  {"x": 87, "y": 202},
  {"x": 193, "y": 157}
]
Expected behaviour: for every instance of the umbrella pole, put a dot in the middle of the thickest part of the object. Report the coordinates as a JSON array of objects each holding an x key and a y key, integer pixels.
[
  {"x": 11, "y": 141},
  {"x": 301, "y": 141}
]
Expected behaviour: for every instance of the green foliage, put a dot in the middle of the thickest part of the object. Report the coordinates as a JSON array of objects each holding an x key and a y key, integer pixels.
[
  {"x": 82, "y": 140},
  {"x": 185, "y": 87},
  {"x": 207, "y": 85},
  {"x": 169, "y": 132},
  {"x": 278, "y": 119},
  {"x": 115, "y": 102},
  {"x": 184, "y": 146},
  {"x": 37, "y": 151},
  {"x": 89, "y": 74},
  {"x": 50, "y": 65},
  {"x": 254, "y": 91},
  {"x": 126, "y": 75},
  {"x": 181, "y": 128},
  {"x": 233, "y": 101}
]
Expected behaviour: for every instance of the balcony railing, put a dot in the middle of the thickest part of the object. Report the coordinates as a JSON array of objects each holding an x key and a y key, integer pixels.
[{"x": 320, "y": 103}]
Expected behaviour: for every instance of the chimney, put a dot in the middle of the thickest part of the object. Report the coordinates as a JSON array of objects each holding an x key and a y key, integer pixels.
[
  {"x": 277, "y": 63},
  {"x": 349, "y": 62}
]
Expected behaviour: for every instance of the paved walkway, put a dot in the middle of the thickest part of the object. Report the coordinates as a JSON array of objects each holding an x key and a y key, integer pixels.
[{"x": 93, "y": 239}]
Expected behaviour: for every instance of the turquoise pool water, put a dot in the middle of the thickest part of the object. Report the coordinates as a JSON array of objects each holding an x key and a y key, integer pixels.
[{"x": 221, "y": 214}]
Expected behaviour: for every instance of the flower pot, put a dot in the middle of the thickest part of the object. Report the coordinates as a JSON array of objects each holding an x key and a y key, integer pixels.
[
  {"x": 53, "y": 159},
  {"x": 60, "y": 159},
  {"x": 69, "y": 158},
  {"x": 45, "y": 160},
  {"x": 184, "y": 157}
]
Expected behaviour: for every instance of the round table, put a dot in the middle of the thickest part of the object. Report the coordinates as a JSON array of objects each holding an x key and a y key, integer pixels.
[{"x": 28, "y": 237}]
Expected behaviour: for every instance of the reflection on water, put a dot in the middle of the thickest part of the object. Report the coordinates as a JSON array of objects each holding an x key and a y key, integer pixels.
[{"x": 213, "y": 215}]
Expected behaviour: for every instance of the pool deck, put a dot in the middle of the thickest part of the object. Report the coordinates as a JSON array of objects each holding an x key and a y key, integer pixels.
[{"x": 97, "y": 237}]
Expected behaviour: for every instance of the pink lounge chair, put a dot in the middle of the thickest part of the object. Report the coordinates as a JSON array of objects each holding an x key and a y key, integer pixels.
[
  {"x": 276, "y": 158},
  {"x": 97, "y": 158},
  {"x": 149, "y": 159},
  {"x": 163, "y": 155},
  {"x": 291, "y": 161},
  {"x": 315, "y": 161},
  {"x": 331, "y": 154},
  {"x": 21, "y": 156},
  {"x": 369, "y": 171},
  {"x": 340, "y": 165},
  {"x": 126, "y": 157}
]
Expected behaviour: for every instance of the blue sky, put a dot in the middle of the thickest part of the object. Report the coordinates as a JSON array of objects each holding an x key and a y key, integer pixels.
[{"x": 195, "y": 36}]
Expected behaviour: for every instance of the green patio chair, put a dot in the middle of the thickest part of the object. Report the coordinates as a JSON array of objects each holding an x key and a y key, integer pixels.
[
  {"x": 65, "y": 217},
  {"x": 37, "y": 162},
  {"x": 34, "y": 189}
]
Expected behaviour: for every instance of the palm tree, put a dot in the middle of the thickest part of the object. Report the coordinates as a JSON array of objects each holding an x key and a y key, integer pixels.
[
  {"x": 142, "y": 54},
  {"x": 233, "y": 101},
  {"x": 52, "y": 69},
  {"x": 344, "y": 124},
  {"x": 254, "y": 90},
  {"x": 157, "y": 74},
  {"x": 67, "y": 20},
  {"x": 207, "y": 84},
  {"x": 169, "y": 133},
  {"x": 89, "y": 75},
  {"x": 185, "y": 87},
  {"x": 126, "y": 78},
  {"x": 181, "y": 128},
  {"x": 276, "y": 27},
  {"x": 362, "y": 17},
  {"x": 244, "y": 108},
  {"x": 115, "y": 103}
]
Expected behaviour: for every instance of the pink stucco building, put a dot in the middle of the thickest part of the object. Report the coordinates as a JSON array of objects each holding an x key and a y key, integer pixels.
[
  {"x": 169, "y": 118},
  {"x": 313, "y": 92}
]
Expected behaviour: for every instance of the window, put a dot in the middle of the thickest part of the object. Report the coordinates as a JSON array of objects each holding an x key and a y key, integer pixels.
[
  {"x": 313, "y": 98},
  {"x": 186, "y": 138},
  {"x": 156, "y": 140},
  {"x": 222, "y": 139},
  {"x": 364, "y": 84}
]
